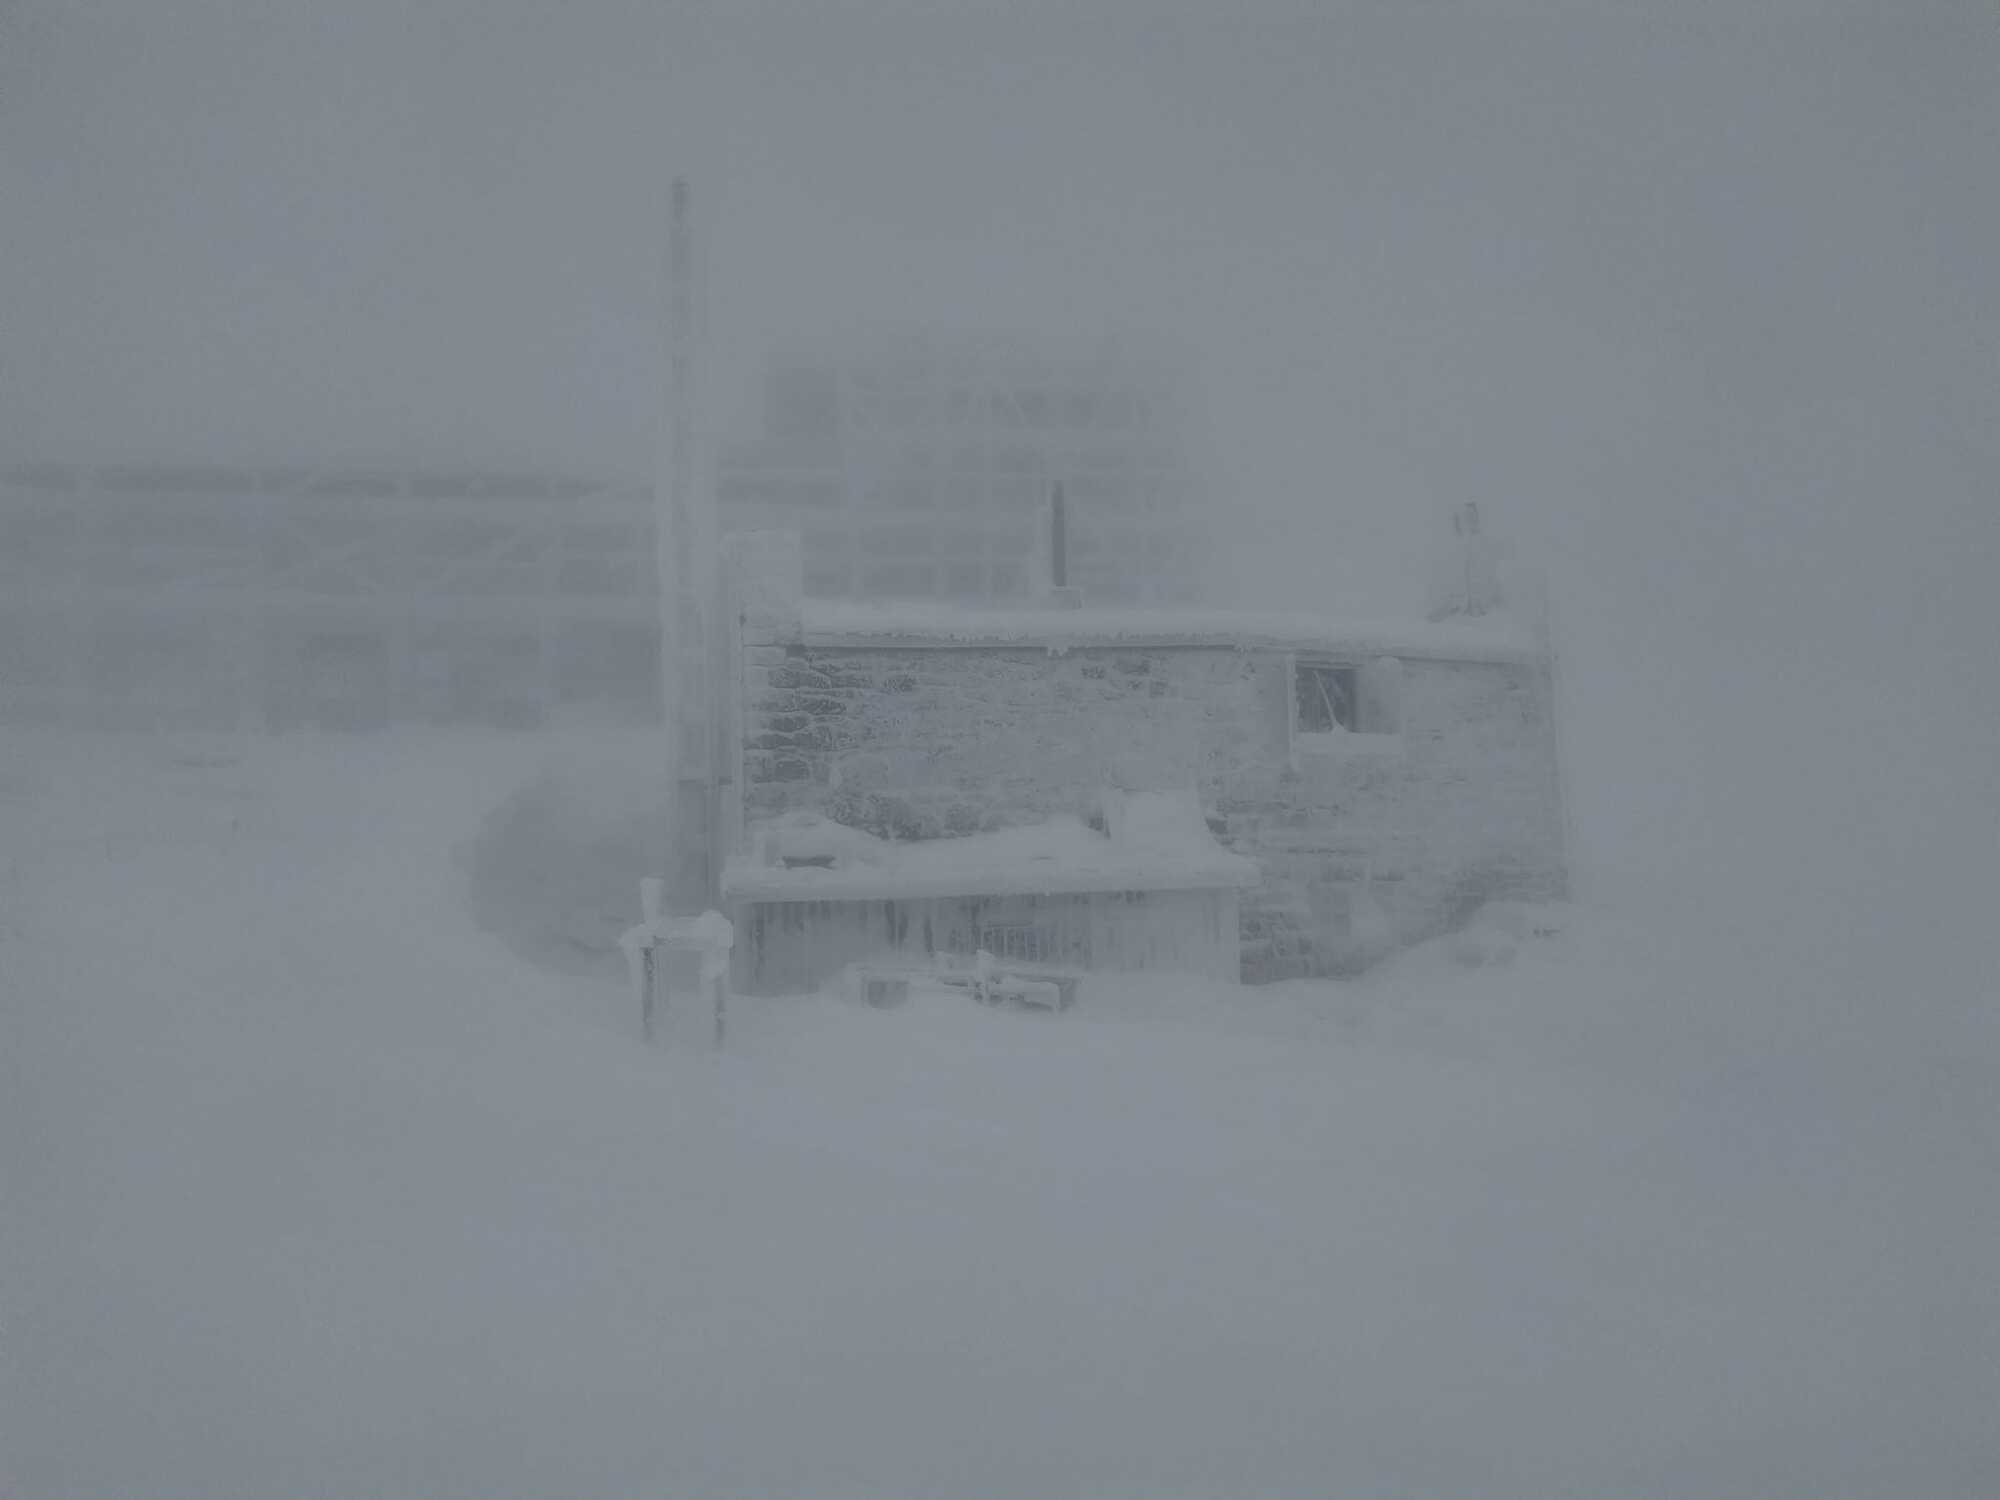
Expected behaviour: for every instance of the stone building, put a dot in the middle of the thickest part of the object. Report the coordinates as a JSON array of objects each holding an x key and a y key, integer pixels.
[{"x": 1351, "y": 786}]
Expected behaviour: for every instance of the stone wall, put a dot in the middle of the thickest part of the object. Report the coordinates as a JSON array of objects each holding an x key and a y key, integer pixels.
[{"x": 1365, "y": 846}]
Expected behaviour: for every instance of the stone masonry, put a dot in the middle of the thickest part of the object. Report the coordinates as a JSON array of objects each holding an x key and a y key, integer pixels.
[{"x": 1366, "y": 844}]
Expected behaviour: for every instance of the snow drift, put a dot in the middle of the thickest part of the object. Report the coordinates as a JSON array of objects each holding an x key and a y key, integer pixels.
[{"x": 314, "y": 1187}]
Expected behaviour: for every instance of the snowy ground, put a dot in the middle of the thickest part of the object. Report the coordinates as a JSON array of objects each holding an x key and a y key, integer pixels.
[{"x": 313, "y": 1187}]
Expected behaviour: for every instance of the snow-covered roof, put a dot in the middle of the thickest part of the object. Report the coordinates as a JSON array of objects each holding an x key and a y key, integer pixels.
[
  {"x": 926, "y": 624},
  {"x": 1155, "y": 849}
]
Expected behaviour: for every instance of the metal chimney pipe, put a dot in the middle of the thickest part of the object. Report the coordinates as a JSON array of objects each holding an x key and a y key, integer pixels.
[{"x": 1058, "y": 539}]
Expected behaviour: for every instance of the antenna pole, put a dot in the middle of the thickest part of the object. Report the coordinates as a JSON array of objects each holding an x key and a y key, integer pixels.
[
  {"x": 681, "y": 615},
  {"x": 1058, "y": 539}
]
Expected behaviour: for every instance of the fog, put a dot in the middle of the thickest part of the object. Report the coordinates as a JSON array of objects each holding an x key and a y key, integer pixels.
[
  {"x": 1700, "y": 309},
  {"x": 1697, "y": 303}
]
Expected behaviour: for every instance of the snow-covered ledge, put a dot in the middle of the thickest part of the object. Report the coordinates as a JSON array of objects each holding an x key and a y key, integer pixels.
[{"x": 1156, "y": 841}]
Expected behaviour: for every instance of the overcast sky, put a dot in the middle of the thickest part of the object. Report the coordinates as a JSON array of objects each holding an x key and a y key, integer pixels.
[{"x": 1698, "y": 300}]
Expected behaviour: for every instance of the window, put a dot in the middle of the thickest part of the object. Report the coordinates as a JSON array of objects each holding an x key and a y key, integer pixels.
[
  {"x": 1347, "y": 705},
  {"x": 1327, "y": 698}
]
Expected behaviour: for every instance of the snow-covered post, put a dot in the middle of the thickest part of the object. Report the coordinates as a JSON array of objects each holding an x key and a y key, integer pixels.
[
  {"x": 1538, "y": 606},
  {"x": 641, "y": 952},
  {"x": 711, "y": 935},
  {"x": 652, "y": 892},
  {"x": 718, "y": 937}
]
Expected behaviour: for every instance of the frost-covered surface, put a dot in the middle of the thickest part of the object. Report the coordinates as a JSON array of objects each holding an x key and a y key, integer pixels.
[
  {"x": 840, "y": 622},
  {"x": 313, "y": 1187},
  {"x": 912, "y": 743},
  {"x": 1155, "y": 841}
]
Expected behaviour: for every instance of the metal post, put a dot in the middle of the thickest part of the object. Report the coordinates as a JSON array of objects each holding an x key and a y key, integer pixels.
[
  {"x": 647, "y": 967},
  {"x": 1058, "y": 539}
]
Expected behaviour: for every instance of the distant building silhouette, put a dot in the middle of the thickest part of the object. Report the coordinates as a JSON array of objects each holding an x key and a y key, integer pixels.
[
  {"x": 337, "y": 597},
  {"x": 923, "y": 468},
  {"x": 357, "y": 596}
]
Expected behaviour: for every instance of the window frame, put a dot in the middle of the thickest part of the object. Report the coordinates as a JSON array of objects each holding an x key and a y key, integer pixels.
[
  {"x": 1373, "y": 732},
  {"x": 1348, "y": 687}
]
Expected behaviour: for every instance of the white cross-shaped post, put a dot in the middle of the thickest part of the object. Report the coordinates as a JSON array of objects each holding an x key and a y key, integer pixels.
[{"x": 709, "y": 935}]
